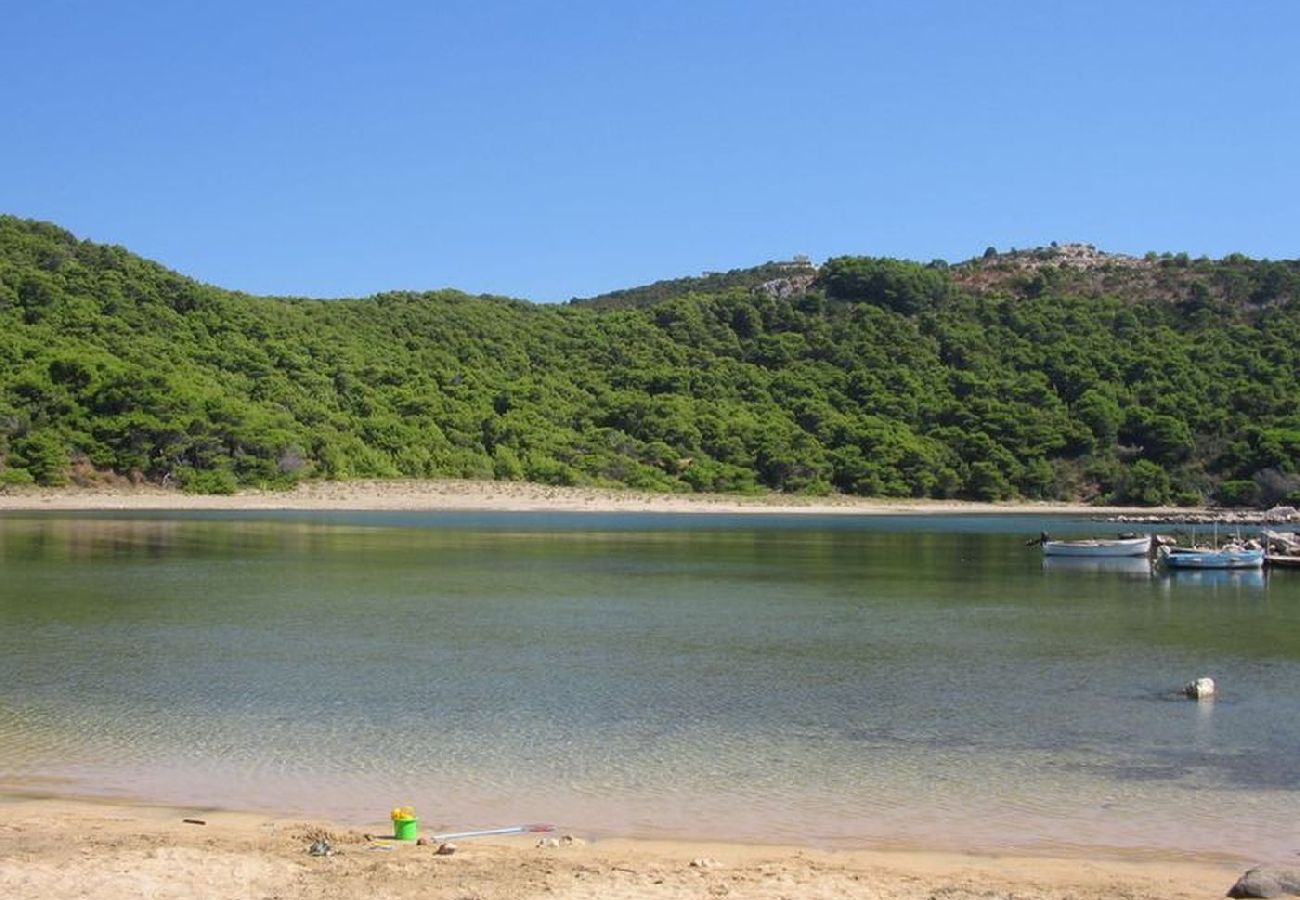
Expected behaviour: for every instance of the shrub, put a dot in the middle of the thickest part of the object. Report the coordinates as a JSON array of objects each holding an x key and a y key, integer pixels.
[
  {"x": 16, "y": 477},
  {"x": 1146, "y": 484},
  {"x": 45, "y": 456},
  {"x": 1238, "y": 493},
  {"x": 208, "y": 481}
]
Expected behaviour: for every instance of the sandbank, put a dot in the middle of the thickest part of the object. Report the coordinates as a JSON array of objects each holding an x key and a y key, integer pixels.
[
  {"x": 71, "y": 848},
  {"x": 508, "y": 496}
]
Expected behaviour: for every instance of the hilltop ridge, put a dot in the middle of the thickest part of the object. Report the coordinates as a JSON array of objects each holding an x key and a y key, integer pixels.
[{"x": 1075, "y": 268}]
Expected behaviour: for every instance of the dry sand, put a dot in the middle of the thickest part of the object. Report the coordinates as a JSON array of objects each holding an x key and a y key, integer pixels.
[
  {"x": 72, "y": 849},
  {"x": 505, "y": 496}
]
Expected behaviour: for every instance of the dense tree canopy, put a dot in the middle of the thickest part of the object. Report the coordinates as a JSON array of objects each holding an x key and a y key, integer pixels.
[{"x": 882, "y": 377}]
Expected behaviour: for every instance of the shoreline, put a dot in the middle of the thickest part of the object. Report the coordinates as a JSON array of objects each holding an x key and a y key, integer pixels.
[
  {"x": 502, "y": 496},
  {"x": 53, "y": 846}
]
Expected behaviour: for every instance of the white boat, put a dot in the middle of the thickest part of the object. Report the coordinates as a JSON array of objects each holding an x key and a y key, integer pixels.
[
  {"x": 1208, "y": 558},
  {"x": 1127, "y": 546}
]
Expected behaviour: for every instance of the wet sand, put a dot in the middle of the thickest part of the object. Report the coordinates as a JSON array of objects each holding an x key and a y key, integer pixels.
[{"x": 66, "y": 849}]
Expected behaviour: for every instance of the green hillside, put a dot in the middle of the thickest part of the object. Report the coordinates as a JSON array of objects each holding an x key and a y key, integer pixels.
[
  {"x": 708, "y": 283},
  {"x": 1056, "y": 373}
]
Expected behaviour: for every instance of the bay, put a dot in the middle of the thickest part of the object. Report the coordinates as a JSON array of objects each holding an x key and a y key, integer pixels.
[{"x": 836, "y": 681}]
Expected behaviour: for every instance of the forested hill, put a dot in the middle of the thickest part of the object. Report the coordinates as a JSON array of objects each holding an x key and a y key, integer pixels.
[
  {"x": 708, "y": 283},
  {"x": 1039, "y": 374},
  {"x": 1072, "y": 269}
]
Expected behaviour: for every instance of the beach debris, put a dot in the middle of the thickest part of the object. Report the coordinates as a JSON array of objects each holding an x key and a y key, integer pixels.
[
  {"x": 321, "y": 848},
  {"x": 705, "y": 862},
  {"x": 195, "y": 821},
  {"x": 1202, "y": 688},
  {"x": 1267, "y": 881},
  {"x": 446, "y": 848},
  {"x": 486, "y": 832},
  {"x": 310, "y": 834},
  {"x": 564, "y": 840}
]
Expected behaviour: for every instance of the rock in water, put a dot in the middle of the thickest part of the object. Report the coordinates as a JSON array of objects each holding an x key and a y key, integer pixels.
[
  {"x": 1267, "y": 881},
  {"x": 1200, "y": 689}
]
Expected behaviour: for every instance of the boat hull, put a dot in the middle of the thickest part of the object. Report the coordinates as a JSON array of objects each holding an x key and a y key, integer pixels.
[
  {"x": 1099, "y": 548},
  {"x": 1212, "y": 559}
]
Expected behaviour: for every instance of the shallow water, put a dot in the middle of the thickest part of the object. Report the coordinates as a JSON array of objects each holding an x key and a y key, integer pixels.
[{"x": 835, "y": 681}]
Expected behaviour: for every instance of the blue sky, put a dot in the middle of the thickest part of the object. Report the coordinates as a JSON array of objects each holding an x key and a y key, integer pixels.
[{"x": 551, "y": 150}]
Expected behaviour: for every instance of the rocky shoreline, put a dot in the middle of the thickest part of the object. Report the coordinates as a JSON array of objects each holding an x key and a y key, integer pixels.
[{"x": 1278, "y": 515}]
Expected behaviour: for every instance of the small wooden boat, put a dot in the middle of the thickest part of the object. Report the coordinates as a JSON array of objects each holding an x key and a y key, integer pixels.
[
  {"x": 1282, "y": 561},
  {"x": 1124, "y": 546},
  {"x": 1231, "y": 557}
]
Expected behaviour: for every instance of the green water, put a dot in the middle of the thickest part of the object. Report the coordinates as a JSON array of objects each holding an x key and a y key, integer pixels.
[{"x": 836, "y": 681}]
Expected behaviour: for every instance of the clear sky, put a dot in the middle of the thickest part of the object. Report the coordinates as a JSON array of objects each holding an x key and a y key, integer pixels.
[{"x": 550, "y": 150}]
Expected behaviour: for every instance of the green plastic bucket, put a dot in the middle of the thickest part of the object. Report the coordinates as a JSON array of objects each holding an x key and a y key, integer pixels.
[{"x": 406, "y": 829}]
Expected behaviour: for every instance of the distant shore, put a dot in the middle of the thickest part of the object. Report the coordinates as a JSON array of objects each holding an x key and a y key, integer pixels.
[
  {"x": 71, "y": 848},
  {"x": 512, "y": 496}
]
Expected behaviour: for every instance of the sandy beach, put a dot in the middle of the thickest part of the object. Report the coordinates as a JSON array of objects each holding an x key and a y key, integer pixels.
[
  {"x": 508, "y": 496},
  {"x": 76, "y": 849}
]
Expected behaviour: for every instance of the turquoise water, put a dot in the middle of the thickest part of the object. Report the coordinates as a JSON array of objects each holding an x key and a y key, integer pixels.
[{"x": 837, "y": 681}]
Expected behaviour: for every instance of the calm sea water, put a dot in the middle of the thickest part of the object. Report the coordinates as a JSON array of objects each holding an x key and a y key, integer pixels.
[{"x": 833, "y": 681}]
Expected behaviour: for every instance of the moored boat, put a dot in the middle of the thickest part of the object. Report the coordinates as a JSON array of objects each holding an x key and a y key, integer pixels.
[
  {"x": 1282, "y": 561},
  {"x": 1231, "y": 557},
  {"x": 1124, "y": 546}
]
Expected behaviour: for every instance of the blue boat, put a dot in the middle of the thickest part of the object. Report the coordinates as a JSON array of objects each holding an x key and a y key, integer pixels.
[{"x": 1205, "y": 558}]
